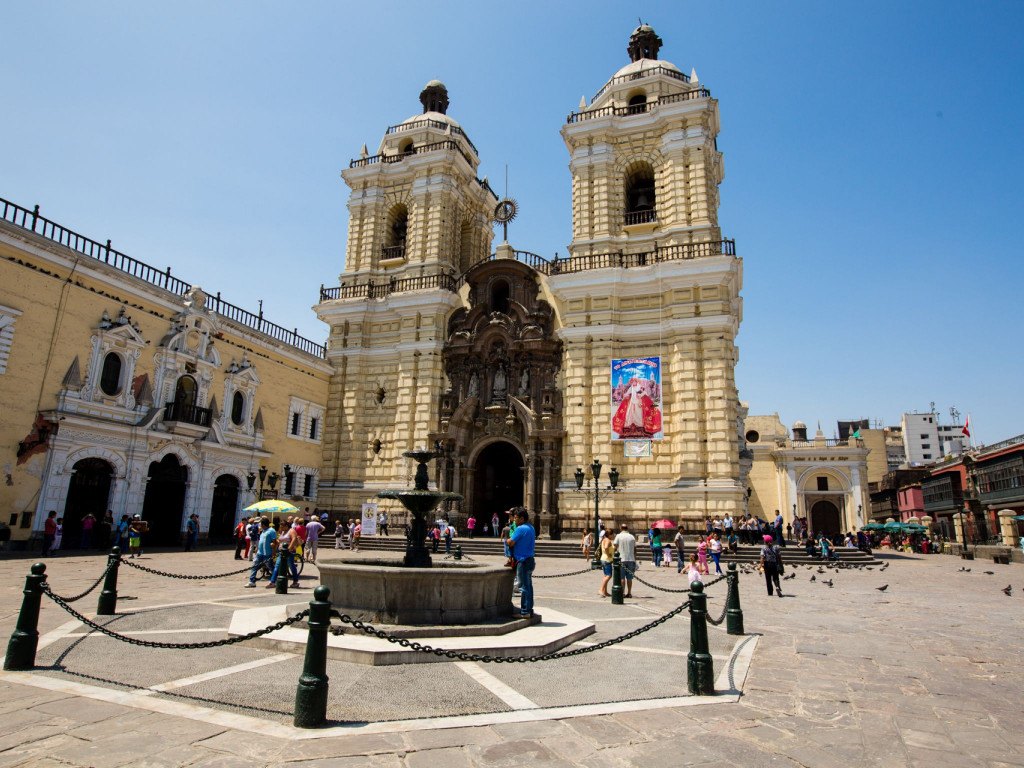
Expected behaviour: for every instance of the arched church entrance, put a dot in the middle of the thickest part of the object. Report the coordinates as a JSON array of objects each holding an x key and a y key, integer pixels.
[
  {"x": 497, "y": 481},
  {"x": 222, "y": 512},
  {"x": 164, "y": 504},
  {"x": 88, "y": 493},
  {"x": 825, "y": 518}
]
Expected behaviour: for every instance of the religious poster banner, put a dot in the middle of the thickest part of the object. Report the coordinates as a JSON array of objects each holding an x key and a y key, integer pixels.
[
  {"x": 369, "y": 519},
  {"x": 636, "y": 398}
]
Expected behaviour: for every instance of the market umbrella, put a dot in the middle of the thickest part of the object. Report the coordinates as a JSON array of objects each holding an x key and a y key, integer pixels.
[
  {"x": 665, "y": 525},
  {"x": 271, "y": 505},
  {"x": 915, "y": 528},
  {"x": 893, "y": 526},
  {"x": 873, "y": 527},
  {"x": 1017, "y": 517}
]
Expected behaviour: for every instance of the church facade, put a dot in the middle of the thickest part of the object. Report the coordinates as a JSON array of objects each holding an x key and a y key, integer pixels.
[{"x": 520, "y": 369}]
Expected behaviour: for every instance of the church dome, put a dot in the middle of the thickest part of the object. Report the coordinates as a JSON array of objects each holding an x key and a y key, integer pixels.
[
  {"x": 799, "y": 425},
  {"x": 440, "y": 117},
  {"x": 645, "y": 65}
]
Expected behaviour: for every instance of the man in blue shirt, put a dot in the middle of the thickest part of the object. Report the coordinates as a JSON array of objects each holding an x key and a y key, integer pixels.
[
  {"x": 265, "y": 550},
  {"x": 522, "y": 542}
]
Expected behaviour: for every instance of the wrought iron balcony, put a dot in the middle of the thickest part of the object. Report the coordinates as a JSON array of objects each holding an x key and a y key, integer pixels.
[
  {"x": 638, "y": 109},
  {"x": 392, "y": 252},
  {"x": 640, "y": 217},
  {"x": 189, "y": 414}
]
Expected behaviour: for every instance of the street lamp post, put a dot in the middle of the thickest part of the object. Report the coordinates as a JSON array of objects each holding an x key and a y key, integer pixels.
[
  {"x": 271, "y": 481},
  {"x": 613, "y": 479}
]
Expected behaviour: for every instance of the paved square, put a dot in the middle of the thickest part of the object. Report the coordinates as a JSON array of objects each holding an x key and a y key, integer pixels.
[{"x": 923, "y": 673}]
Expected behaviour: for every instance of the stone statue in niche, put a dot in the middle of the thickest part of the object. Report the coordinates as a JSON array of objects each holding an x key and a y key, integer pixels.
[
  {"x": 474, "y": 386},
  {"x": 524, "y": 382},
  {"x": 500, "y": 388}
]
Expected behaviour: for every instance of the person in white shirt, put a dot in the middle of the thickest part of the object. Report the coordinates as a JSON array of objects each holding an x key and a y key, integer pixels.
[{"x": 625, "y": 545}]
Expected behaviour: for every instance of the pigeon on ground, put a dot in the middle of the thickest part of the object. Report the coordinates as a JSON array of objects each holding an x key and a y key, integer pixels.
[
  {"x": 990, "y": 573},
  {"x": 968, "y": 570},
  {"x": 884, "y": 567},
  {"x": 1009, "y": 590},
  {"x": 820, "y": 569},
  {"x": 812, "y": 577},
  {"x": 882, "y": 588},
  {"x": 829, "y": 582},
  {"x": 962, "y": 569}
]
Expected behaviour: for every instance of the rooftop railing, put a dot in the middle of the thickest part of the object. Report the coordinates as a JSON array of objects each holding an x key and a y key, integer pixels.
[
  {"x": 638, "y": 109},
  {"x": 631, "y": 76},
  {"x": 556, "y": 266},
  {"x": 428, "y": 123},
  {"x": 447, "y": 144},
  {"x": 32, "y": 221}
]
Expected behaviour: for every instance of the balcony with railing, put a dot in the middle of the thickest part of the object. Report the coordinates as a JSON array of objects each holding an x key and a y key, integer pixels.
[
  {"x": 178, "y": 413},
  {"x": 392, "y": 252},
  {"x": 30, "y": 220},
  {"x": 649, "y": 216},
  {"x": 638, "y": 109},
  {"x": 428, "y": 123}
]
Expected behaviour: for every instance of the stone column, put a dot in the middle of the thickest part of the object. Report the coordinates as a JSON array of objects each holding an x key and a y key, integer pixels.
[
  {"x": 927, "y": 522},
  {"x": 528, "y": 499},
  {"x": 545, "y": 499},
  {"x": 960, "y": 528},
  {"x": 1006, "y": 527}
]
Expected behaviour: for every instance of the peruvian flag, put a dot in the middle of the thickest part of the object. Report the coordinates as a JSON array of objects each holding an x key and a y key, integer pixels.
[{"x": 967, "y": 426}]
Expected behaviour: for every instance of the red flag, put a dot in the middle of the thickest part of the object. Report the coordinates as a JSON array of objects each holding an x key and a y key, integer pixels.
[{"x": 967, "y": 426}]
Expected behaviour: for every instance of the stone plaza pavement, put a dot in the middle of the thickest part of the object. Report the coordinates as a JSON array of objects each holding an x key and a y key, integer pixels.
[{"x": 924, "y": 673}]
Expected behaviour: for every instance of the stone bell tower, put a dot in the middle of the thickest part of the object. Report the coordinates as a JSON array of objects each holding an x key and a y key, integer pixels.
[
  {"x": 418, "y": 218},
  {"x": 649, "y": 274}
]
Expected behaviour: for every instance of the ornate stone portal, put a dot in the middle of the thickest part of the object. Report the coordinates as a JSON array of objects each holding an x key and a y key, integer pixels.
[{"x": 500, "y": 418}]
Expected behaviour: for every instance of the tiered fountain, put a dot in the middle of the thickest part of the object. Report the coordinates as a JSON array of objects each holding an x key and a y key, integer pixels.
[{"x": 414, "y": 590}]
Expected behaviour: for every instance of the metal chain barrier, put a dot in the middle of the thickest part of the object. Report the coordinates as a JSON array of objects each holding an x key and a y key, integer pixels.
[
  {"x": 414, "y": 646},
  {"x": 721, "y": 618},
  {"x": 666, "y": 589},
  {"x": 187, "y": 577},
  {"x": 110, "y": 564},
  {"x": 588, "y": 569},
  {"x": 177, "y": 646}
]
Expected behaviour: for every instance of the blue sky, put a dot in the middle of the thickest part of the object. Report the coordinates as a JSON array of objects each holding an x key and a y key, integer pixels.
[{"x": 873, "y": 160}]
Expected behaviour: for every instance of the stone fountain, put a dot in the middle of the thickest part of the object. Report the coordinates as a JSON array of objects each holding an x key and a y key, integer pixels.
[
  {"x": 456, "y": 604},
  {"x": 414, "y": 590}
]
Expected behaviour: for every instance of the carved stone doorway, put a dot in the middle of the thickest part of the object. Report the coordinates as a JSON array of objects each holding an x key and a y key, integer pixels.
[
  {"x": 825, "y": 519},
  {"x": 497, "y": 481}
]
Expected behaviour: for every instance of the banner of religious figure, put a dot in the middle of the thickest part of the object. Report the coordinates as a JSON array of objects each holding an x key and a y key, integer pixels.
[{"x": 636, "y": 399}]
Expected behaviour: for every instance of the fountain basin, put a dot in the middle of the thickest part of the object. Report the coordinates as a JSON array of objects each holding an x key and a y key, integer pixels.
[{"x": 382, "y": 590}]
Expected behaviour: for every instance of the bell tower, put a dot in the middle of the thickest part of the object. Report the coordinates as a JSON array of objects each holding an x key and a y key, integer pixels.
[
  {"x": 418, "y": 218},
  {"x": 649, "y": 275}
]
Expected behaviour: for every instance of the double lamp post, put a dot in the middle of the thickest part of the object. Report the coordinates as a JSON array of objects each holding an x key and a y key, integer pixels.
[
  {"x": 271, "y": 481},
  {"x": 613, "y": 479}
]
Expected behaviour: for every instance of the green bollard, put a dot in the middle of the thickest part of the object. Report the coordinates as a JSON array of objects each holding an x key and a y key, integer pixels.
[
  {"x": 107, "y": 604},
  {"x": 458, "y": 551},
  {"x": 700, "y": 670},
  {"x": 733, "y": 612},
  {"x": 616, "y": 580},
  {"x": 281, "y": 586},
  {"x": 21, "y": 650},
  {"x": 311, "y": 694}
]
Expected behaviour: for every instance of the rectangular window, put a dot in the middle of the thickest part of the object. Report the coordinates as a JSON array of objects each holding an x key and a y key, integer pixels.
[
  {"x": 312, "y": 429},
  {"x": 924, "y": 437},
  {"x": 289, "y": 484},
  {"x": 7, "y": 318},
  {"x": 307, "y": 486},
  {"x": 822, "y": 483},
  {"x": 925, "y": 446},
  {"x": 926, "y": 455},
  {"x": 296, "y": 417}
]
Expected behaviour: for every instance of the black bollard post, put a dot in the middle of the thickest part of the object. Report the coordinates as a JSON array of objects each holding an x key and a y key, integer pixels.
[
  {"x": 107, "y": 604},
  {"x": 281, "y": 585},
  {"x": 458, "y": 551},
  {"x": 311, "y": 694},
  {"x": 616, "y": 580},
  {"x": 21, "y": 650},
  {"x": 700, "y": 670},
  {"x": 733, "y": 612}
]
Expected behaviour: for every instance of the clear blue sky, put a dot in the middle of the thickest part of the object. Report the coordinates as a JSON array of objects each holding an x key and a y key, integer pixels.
[{"x": 873, "y": 155}]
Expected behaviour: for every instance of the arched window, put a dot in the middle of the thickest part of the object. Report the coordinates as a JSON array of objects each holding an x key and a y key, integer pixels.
[
  {"x": 397, "y": 231},
  {"x": 237, "y": 408},
  {"x": 407, "y": 147},
  {"x": 110, "y": 377},
  {"x": 185, "y": 391},
  {"x": 637, "y": 104},
  {"x": 640, "y": 200},
  {"x": 499, "y": 297}
]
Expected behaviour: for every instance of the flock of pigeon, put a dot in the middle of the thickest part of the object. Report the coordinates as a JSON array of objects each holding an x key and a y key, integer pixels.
[
  {"x": 1007, "y": 590},
  {"x": 840, "y": 566}
]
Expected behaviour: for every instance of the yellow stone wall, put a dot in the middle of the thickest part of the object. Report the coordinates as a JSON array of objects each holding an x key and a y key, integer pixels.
[{"x": 62, "y": 296}]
